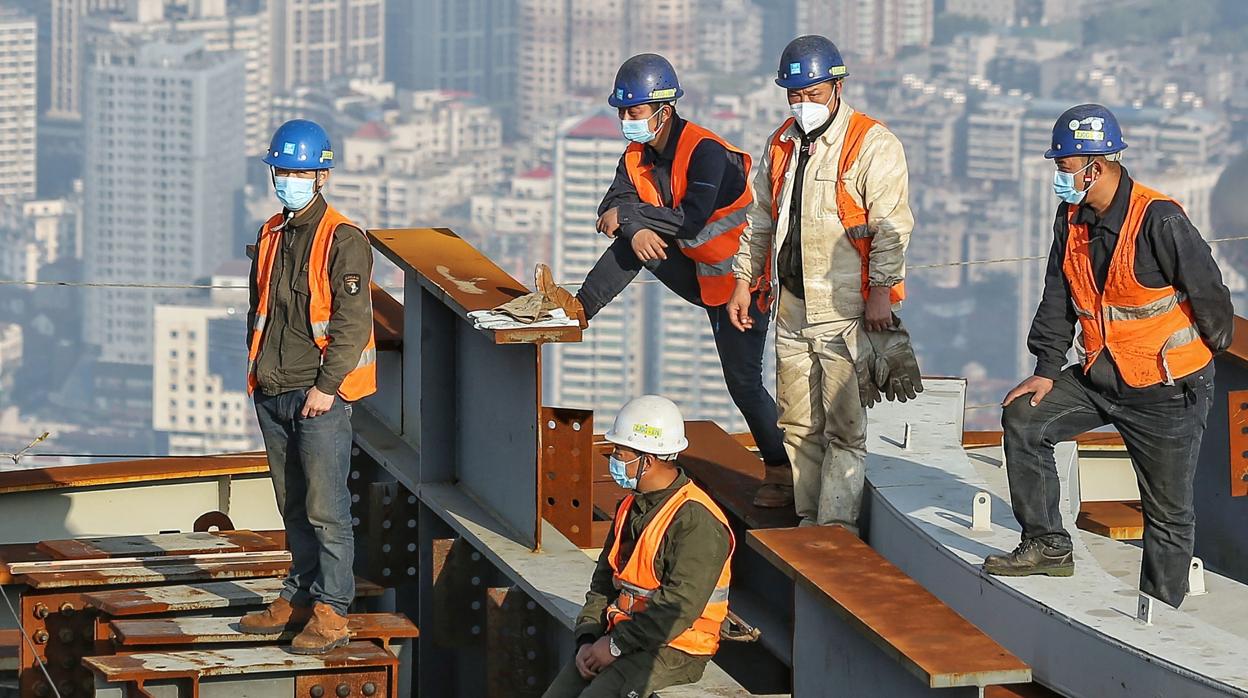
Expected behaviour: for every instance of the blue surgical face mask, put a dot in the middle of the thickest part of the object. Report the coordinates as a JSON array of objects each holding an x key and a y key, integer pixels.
[
  {"x": 638, "y": 130},
  {"x": 1064, "y": 187},
  {"x": 619, "y": 472},
  {"x": 294, "y": 192}
]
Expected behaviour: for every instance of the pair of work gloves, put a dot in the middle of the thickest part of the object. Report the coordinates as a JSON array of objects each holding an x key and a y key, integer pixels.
[{"x": 887, "y": 368}]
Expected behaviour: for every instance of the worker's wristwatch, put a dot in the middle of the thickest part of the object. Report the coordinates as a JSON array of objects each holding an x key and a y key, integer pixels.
[{"x": 615, "y": 649}]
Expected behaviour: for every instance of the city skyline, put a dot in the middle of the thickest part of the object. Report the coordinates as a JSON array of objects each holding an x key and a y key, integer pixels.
[{"x": 489, "y": 117}]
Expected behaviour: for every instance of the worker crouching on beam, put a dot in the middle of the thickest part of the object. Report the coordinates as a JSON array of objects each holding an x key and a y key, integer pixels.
[{"x": 659, "y": 594}]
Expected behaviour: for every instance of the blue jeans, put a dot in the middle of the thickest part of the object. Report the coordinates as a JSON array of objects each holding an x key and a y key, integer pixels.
[
  {"x": 310, "y": 460},
  {"x": 740, "y": 353},
  {"x": 1163, "y": 440}
]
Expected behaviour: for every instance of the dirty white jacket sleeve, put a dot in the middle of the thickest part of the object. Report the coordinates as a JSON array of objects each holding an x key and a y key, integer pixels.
[
  {"x": 884, "y": 182},
  {"x": 760, "y": 227}
]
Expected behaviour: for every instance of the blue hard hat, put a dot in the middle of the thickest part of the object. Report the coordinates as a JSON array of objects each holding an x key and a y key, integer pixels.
[
  {"x": 300, "y": 144},
  {"x": 644, "y": 79},
  {"x": 1088, "y": 129},
  {"x": 809, "y": 60}
]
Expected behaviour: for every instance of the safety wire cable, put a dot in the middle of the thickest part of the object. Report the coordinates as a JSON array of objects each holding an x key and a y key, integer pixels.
[
  {"x": 33, "y": 651},
  {"x": 17, "y": 456},
  {"x": 235, "y": 287}
]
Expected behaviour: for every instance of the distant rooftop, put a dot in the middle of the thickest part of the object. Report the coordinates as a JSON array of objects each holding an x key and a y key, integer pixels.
[
  {"x": 597, "y": 126},
  {"x": 372, "y": 130},
  {"x": 537, "y": 173}
]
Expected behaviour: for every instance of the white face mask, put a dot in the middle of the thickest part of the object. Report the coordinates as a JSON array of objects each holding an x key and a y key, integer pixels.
[{"x": 812, "y": 115}]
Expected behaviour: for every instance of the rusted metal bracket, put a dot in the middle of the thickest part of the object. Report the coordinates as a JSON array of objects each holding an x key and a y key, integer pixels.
[
  {"x": 460, "y": 575},
  {"x": 1237, "y": 426},
  {"x": 515, "y": 648},
  {"x": 64, "y": 629},
  {"x": 567, "y": 478},
  {"x": 370, "y": 683}
]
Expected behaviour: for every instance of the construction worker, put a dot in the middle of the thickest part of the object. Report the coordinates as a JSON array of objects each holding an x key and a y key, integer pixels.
[
  {"x": 677, "y": 207},
  {"x": 828, "y": 231},
  {"x": 659, "y": 594},
  {"x": 1132, "y": 272},
  {"x": 311, "y": 354}
]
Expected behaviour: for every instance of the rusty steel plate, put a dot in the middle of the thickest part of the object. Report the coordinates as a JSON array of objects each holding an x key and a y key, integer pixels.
[
  {"x": 460, "y": 575},
  {"x": 159, "y": 544},
  {"x": 189, "y": 631},
  {"x": 567, "y": 438},
  {"x": 515, "y": 647},
  {"x": 730, "y": 474},
  {"x": 146, "y": 666},
  {"x": 462, "y": 277},
  {"x": 1237, "y": 426},
  {"x": 891, "y": 610},
  {"x": 344, "y": 684}
]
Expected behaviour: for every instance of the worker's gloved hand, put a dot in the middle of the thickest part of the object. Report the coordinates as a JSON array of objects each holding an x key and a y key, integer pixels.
[
  {"x": 895, "y": 368},
  {"x": 868, "y": 391}
]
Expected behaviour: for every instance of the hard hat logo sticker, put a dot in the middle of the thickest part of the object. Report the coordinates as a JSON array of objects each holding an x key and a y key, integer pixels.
[
  {"x": 795, "y": 68},
  {"x": 663, "y": 94},
  {"x": 327, "y": 155},
  {"x": 288, "y": 148},
  {"x": 647, "y": 430}
]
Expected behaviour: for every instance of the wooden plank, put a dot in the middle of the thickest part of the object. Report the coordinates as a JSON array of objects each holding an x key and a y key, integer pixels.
[
  {"x": 234, "y": 661},
  {"x": 159, "y": 544},
  {"x": 134, "y": 471},
  {"x": 1117, "y": 520},
  {"x": 889, "y": 608},
  {"x": 462, "y": 278},
  {"x": 730, "y": 474},
  {"x": 1091, "y": 441},
  {"x": 191, "y": 631}
]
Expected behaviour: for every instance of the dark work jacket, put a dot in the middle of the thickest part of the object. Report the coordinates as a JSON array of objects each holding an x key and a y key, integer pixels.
[
  {"x": 1169, "y": 252},
  {"x": 688, "y": 564},
  {"x": 789, "y": 259},
  {"x": 289, "y": 358},
  {"x": 716, "y": 178}
]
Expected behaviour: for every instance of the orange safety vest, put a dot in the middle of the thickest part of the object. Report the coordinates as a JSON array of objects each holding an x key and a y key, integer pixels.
[
  {"x": 1149, "y": 332},
  {"x": 637, "y": 581},
  {"x": 853, "y": 217},
  {"x": 362, "y": 380},
  {"x": 715, "y": 246}
]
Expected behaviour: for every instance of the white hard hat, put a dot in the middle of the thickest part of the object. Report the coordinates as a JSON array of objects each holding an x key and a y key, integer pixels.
[{"x": 650, "y": 424}]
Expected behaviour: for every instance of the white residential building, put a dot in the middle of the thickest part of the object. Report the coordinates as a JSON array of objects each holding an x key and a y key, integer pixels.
[
  {"x": 315, "y": 41},
  {"x": 199, "y": 383},
  {"x": 161, "y": 113},
  {"x": 237, "y": 30},
  {"x": 516, "y": 228},
  {"x": 730, "y": 37},
  {"x": 19, "y": 104}
]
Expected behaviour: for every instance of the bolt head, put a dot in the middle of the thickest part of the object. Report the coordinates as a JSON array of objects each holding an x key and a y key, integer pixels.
[
  {"x": 343, "y": 690},
  {"x": 317, "y": 691},
  {"x": 370, "y": 688}
]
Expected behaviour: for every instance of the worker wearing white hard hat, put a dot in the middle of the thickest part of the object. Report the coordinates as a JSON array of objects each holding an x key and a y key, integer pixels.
[{"x": 664, "y": 566}]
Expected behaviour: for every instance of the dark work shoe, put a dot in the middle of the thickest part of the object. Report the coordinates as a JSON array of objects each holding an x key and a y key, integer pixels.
[{"x": 1032, "y": 557}]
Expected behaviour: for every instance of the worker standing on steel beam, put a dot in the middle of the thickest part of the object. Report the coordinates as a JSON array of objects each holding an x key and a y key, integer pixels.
[
  {"x": 828, "y": 231},
  {"x": 310, "y": 355},
  {"x": 659, "y": 594},
  {"x": 1134, "y": 275},
  {"x": 677, "y": 207}
]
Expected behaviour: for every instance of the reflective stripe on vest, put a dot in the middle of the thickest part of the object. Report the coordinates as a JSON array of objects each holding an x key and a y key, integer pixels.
[
  {"x": 637, "y": 580},
  {"x": 853, "y": 217},
  {"x": 361, "y": 381},
  {"x": 715, "y": 245},
  {"x": 1150, "y": 332}
]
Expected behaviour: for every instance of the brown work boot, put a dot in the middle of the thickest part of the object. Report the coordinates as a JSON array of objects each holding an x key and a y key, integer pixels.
[
  {"x": 278, "y": 617},
  {"x": 545, "y": 283},
  {"x": 776, "y": 492},
  {"x": 326, "y": 631}
]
